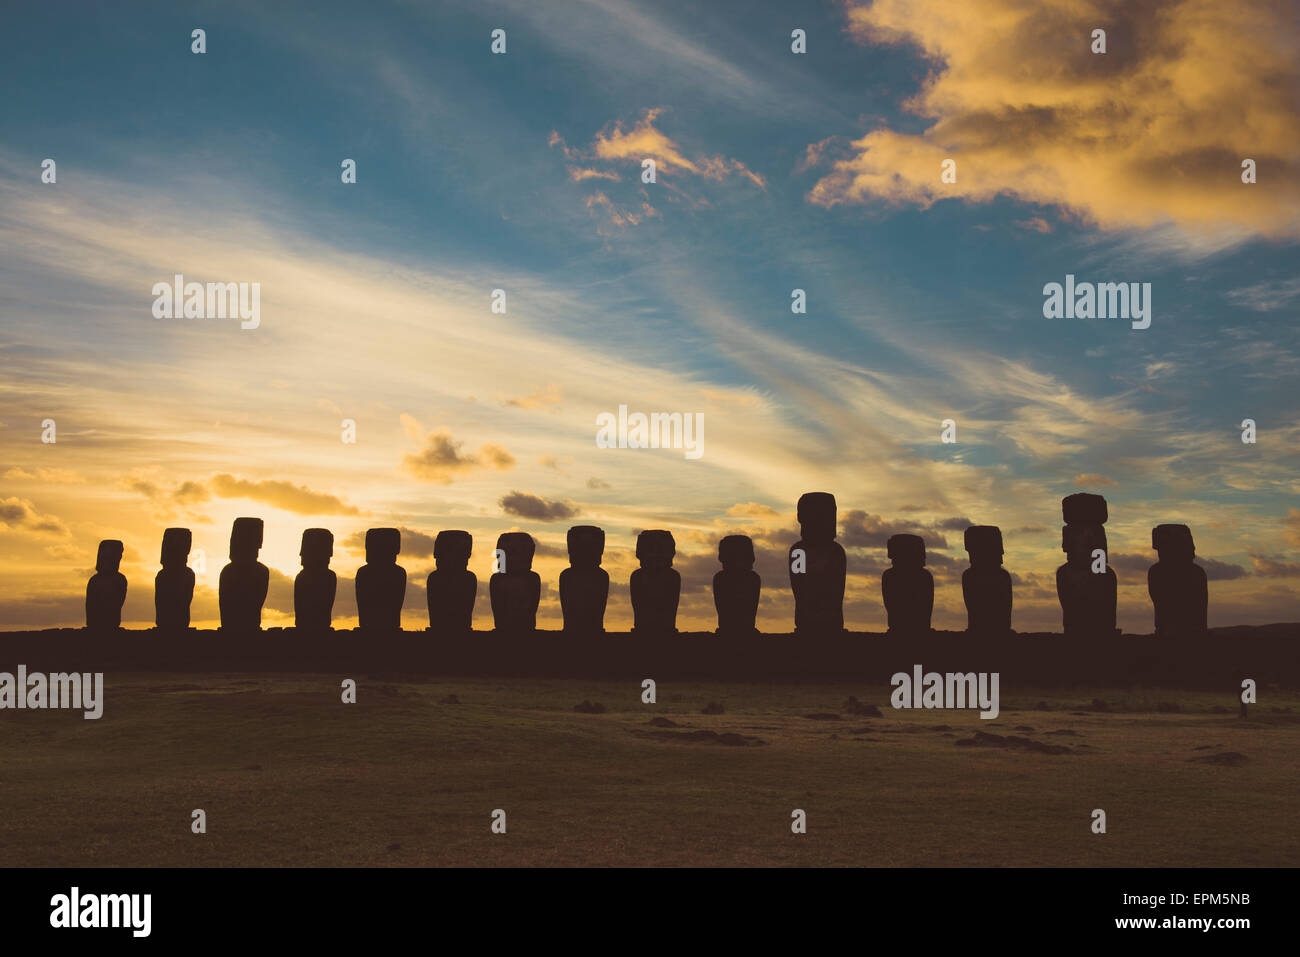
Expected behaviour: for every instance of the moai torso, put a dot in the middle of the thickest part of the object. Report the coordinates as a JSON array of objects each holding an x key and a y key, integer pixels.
[
  {"x": 986, "y": 585},
  {"x": 381, "y": 582},
  {"x": 173, "y": 586},
  {"x": 106, "y": 590},
  {"x": 241, "y": 588},
  {"x": 907, "y": 587},
  {"x": 451, "y": 588},
  {"x": 1178, "y": 586},
  {"x": 584, "y": 585},
  {"x": 315, "y": 586},
  {"x": 1088, "y": 598},
  {"x": 516, "y": 591},
  {"x": 737, "y": 587},
  {"x": 656, "y": 586},
  {"x": 817, "y": 568}
]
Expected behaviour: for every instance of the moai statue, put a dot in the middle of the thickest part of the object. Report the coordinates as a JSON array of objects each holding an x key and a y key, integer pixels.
[
  {"x": 381, "y": 582},
  {"x": 986, "y": 585},
  {"x": 1087, "y": 597},
  {"x": 173, "y": 586},
  {"x": 656, "y": 586},
  {"x": 515, "y": 589},
  {"x": 241, "y": 590},
  {"x": 908, "y": 586},
  {"x": 736, "y": 588},
  {"x": 1177, "y": 585},
  {"x": 451, "y": 587},
  {"x": 106, "y": 590},
  {"x": 316, "y": 584},
  {"x": 584, "y": 585},
  {"x": 817, "y": 568}
]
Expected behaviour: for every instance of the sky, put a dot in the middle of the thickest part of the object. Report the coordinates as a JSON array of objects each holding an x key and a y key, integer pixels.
[{"x": 774, "y": 171}]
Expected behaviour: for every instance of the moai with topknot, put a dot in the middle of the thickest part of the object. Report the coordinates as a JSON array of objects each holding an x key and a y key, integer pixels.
[
  {"x": 656, "y": 586},
  {"x": 316, "y": 585},
  {"x": 1178, "y": 587},
  {"x": 381, "y": 582},
  {"x": 986, "y": 585},
  {"x": 241, "y": 589},
  {"x": 908, "y": 586},
  {"x": 584, "y": 585},
  {"x": 106, "y": 590},
  {"x": 737, "y": 587},
  {"x": 817, "y": 568},
  {"x": 514, "y": 588},
  {"x": 1086, "y": 584},
  {"x": 173, "y": 586},
  {"x": 451, "y": 587}
]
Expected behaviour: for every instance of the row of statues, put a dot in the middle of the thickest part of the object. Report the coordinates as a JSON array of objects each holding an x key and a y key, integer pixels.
[{"x": 1086, "y": 585}]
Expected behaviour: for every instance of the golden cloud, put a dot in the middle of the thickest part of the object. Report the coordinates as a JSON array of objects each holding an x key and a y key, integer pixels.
[{"x": 1152, "y": 132}]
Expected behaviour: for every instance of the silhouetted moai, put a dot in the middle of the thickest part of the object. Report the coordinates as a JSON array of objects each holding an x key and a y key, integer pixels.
[
  {"x": 451, "y": 587},
  {"x": 173, "y": 586},
  {"x": 1177, "y": 585},
  {"x": 1088, "y": 597},
  {"x": 656, "y": 586},
  {"x": 515, "y": 589},
  {"x": 315, "y": 586},
  {"x": 106, "y": 590},
  {"x": 584, "y": 585},
  {"x": 736, "y": 588},
  {"x": 908, "y": 586},
  {"x": 986, "y": 585},
  {"x": 241, "y": 590},
  {"x": 381, "y": 582},
  {"x": 817, "y": 568}
]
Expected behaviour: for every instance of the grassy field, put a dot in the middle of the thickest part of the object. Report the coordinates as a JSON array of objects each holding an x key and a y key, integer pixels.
[{"x": 409, "y": 775}]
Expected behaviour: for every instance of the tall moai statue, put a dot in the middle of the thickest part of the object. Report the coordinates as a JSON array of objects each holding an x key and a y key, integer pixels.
[
  {"x": 381, "y": 582},
  {"x": 316, "y": 585},
  {"x": 451, "y": 587},
  {"x": 106, "y": 590},
  {"x": 737, "y": 587},
  {"x": 584, "y": 585},
  {"x": 656, "y": 586},
  {"x": 514, "y": 588},
  {"x": 908, "y": 586},
  {"x": 173, "y": 586},
  {"x": 241, "y": 589},
  {"x": 1177, "y": 585},
  {"x": 817, "y": 568},
  {"x": 1086, "y": 584},
  {"x": 986, "y": 585}
]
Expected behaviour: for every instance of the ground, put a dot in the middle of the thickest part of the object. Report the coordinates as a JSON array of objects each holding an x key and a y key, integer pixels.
[{"x": 410, "y": 775}]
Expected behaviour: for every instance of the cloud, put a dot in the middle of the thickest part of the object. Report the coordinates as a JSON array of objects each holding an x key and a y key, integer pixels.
[
  {"x": 751, "y": 510},
  {"x": 47, "y": 476},
  {"x": 1274, "y": 566},
  {"x": 1264, "y": 296},
  {"x": 524, "y": 505},
  {"x": 276, "y": 493},
  {"x": 414, "y": 544},
  {"x": 644, "y": 140},
  {"x": 442, "y": 461},
  {"x": 1292, "y": 526},
  {"x": 21, "y": 515},
  {"x": 552, "y": 394},
  {"x": 859, "y": 529},
  {"x": 1093, "y": 479},
  {"x": 594, "y": 482},
  {"x": 1149, "y": 134}
]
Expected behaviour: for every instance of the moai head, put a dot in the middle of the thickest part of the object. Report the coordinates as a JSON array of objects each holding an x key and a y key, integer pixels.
[
  {"x": 451, "y": 550},
  {"x": 586, "y": 546},
  {"x": 383, "y": 546},
  {"x": 1079, "y": 541},
  {"x": 175, "y": 547},
  {"x": 656, "y": 548},
  {"x": 984, "y": 544},
  {"x": 1083, "y": 508},
  {"x": 317, "y": 547},
  {"x": 906, "y": 551},
  {"x": 817, "y": 516},
  {"x": 245, "y": 539},
  {"x": 1173, "y": 543},
  {"x": 109, "y": 556},
  {"x": 518, "y": 548},
  {"x": 736, "y": 552}
]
